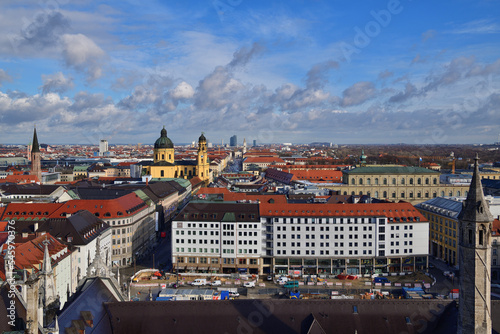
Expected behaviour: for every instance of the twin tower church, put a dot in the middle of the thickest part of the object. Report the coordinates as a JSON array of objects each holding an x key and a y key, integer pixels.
[{"x": 165, "y": 166}]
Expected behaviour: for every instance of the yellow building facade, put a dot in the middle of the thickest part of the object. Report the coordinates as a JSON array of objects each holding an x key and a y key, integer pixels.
[{"x": 165, "y": 166}]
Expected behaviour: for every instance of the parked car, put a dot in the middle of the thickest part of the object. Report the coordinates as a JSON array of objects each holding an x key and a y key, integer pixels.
[
  {"x": 250, "y": 284},
  {"x": 269, "y": 277},
  {"x": 282, "y": 280},
  {"x": 233, "y": 294},
  {"x": 291, "y": 284},
  {"x": 381, "y": 280},
  {"x": 216, "y": 283}
]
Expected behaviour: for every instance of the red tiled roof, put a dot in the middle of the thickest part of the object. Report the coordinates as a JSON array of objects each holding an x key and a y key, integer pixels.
[
  {"x": 251, "y": 160},
  {"x": 29, "y": 211},
  {"x": 341, "y": 210},
  {"x": 21, "y": 179},
  {"x": 317, "y": 175},
  {"x": 29, "y": 254},
  {"x": 120, "y": 207}
]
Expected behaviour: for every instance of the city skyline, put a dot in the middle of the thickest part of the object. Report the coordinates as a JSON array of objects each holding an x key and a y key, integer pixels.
[{"x": 386, "y": 72}]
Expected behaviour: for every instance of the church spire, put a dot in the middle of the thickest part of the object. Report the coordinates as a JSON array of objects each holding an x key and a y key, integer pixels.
[
  {"x": 46, "y": 265},
  {"x": 475, "y": 208},
  {"x": 35, "y": 147}
]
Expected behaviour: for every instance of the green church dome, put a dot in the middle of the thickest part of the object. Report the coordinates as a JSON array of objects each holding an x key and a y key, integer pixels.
[{"x": 163, "y": 141}]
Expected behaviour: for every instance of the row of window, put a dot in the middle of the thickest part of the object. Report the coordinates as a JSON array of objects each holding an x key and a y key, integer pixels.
[
  {"x": 394, "y": 181},
  {"x": 200, "y": 241}
]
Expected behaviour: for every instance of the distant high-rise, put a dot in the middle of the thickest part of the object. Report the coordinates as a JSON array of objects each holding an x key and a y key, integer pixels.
[
  {"x": 233, "y": 141},
  {"x": 103, "y": 147},
  {"x": 254, "y": 142}
]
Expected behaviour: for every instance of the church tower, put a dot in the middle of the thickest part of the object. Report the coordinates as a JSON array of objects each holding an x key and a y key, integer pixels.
[
  {"x": 203, "y": 163},
  {"x": 475, "y": 222},
  {"x": 164, "y": 148},
  {"x": 36, "y": 168}
]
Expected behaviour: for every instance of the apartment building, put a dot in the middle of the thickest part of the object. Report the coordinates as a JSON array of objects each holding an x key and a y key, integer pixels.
[
  {"x": 344, "y": 238},
  {"x": 218, "y": 237},
  {"x": 300, "y": 239}
]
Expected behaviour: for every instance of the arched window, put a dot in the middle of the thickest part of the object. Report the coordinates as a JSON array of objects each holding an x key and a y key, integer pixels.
[
  {"x": 360, "y": 181},
  {"x": 427, "y": 181},
  {"x": 393, "y": 194},
  {"x": 376, "y": 194},
  {"x": 435, "y": 181},
  {"x": 450, "y": 193},
  {"x": 426, "y": 194},
  {"x": 419, "y": 181},
  {"x": 385, "y": 194},
  {"x": 458, "y": 193},
  {"x": 163, "y": 157},
  {"x": 442, "y": 193},
  {"x": 394, "y": 180},
  {"x": 353, "y": 193},
  {"x": 170, "y": 157},
  {"x": 353, "y": 181},
  {"x": 376, "y": 180},
  {"x": 345, "y": 193},
  {"x": 360, "y": 193},
  {"x": 162, "y": 173},
  {"x": 411, "y": 181},
  {"x": 385, "y": 181},
  {"x": 402, "y": 180},
  {"x": 368, "y": 181}
]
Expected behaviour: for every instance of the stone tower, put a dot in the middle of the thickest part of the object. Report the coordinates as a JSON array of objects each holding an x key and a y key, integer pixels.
[
  {"x": 203, "y": 168},
  {"x": 36, "y": 163},
  {"x": 475, "y": 222}
]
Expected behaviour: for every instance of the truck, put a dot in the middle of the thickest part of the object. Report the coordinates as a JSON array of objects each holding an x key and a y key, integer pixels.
[{"x": 199, "y": 282}]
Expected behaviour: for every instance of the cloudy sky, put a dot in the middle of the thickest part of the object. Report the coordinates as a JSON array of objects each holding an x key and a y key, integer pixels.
[{"x": 274, "y": 71}]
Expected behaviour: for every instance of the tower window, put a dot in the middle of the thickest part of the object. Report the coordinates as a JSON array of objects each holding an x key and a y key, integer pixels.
[
  {"x": 470, "y": 237},
  {"x": 162, "y": 173},
  {"x": 481, "y": 237},
  {"x": 163, "y": 157}
]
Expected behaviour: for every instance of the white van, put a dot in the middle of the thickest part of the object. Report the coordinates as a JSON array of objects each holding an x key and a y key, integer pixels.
[
  {"x": 282, "y": 280},
  {"x": 216, "y": 283},
  {"x": 250, "y": 284},
  {"x": 199, "y": 282}
]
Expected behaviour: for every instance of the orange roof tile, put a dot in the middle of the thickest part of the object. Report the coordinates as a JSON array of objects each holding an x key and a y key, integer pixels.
[
  {"x": 29, "y": 211},
  {"x": 251, "y": 160},
  {"x": 120, "y": 207},
  {"x": 390, "y": 210}
]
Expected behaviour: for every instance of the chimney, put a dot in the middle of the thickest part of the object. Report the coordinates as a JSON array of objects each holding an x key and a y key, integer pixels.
[{"x": 453, "y": 166}]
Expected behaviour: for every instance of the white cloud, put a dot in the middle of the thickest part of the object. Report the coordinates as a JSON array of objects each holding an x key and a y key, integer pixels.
[
  {"x": 4, "y": 76},
  {"x": 81, "y": 53},
  {"x": 182, "y": 91},
  {"x": 358, "y": 93},
  {"x": 57, "y": 83}
]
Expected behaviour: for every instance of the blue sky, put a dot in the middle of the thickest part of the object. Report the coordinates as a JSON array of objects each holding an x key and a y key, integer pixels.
[{"x": 418, "y": 72}]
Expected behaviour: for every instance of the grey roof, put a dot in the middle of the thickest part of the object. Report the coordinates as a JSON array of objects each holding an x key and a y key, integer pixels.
[
  {"x": 75, "y": 227},
  {"x": 285, "y": 316},
  {"x": 390, "y": 170},
  {"x": 216, "y": 212},
  {"x": 90, "y": 296},
  {"x": 441, "y": 203}
]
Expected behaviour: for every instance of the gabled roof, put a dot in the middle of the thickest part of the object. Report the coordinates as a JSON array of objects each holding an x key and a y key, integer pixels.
[
  {"x": 123, "y": 206},
  {"x": 29, "y": 211},
  {"x": 79, "y": 229}
]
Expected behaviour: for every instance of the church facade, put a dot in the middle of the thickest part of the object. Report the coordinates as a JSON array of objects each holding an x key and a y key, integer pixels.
[{"x": 165, "y": 166}]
